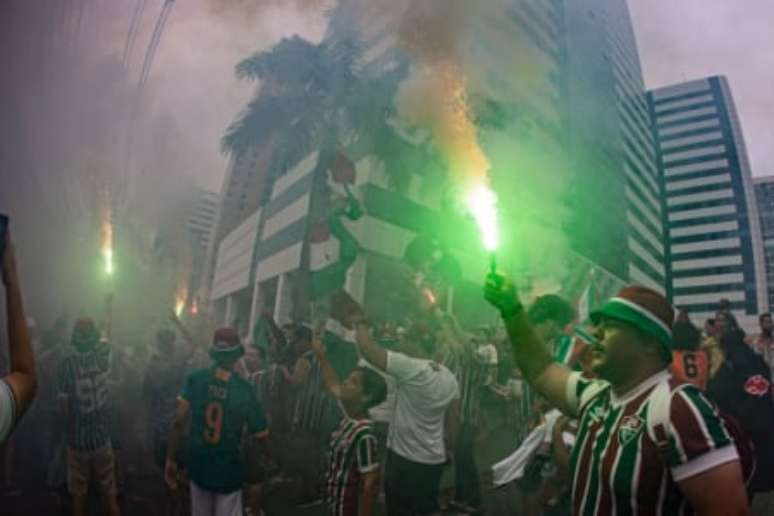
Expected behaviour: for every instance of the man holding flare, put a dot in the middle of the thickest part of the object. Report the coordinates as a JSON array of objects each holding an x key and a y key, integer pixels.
[{"x": 646, "y": 443}]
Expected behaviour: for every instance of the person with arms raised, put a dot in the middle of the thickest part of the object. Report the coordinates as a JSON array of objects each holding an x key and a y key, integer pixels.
[{"x": 645, "y": 444}]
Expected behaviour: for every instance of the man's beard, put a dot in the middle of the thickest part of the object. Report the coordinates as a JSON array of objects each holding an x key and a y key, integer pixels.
[{"x": 767, "y": 333}]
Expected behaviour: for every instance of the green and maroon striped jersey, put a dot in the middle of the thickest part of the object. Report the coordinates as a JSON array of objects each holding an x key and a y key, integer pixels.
[
  {"x": 617, "y": 467},
  {"x": 352, "y": 454},
  {"x": 84, "y": 380}
]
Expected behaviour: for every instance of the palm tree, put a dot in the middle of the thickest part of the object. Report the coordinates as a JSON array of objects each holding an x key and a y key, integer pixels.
[{"x": 316, "y": 97}]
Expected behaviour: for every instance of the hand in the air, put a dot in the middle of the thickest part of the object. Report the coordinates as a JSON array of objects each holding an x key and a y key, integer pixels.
[{"x": 501, "y": 294}]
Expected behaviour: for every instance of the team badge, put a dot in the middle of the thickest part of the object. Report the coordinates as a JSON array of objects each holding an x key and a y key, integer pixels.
[
  {"x": 756, "y": 385},
  {"x": 631, "y": 428},
  {"x": 597, "y": 413}
]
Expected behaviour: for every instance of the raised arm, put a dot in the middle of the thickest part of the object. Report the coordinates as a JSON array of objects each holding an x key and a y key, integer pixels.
[
  {"x": 330, "y": 378},
  {"x": 373, "y": 353},
  {"x": 530, "y": 354},
  {"x": 187, "y": 337},
  {"x": 22, "y": 378}
]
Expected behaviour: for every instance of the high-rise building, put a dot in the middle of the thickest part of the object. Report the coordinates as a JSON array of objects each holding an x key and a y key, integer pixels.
[
  {"x": 764, "y": 193},
  {"x": 715, "y": 244},
  {"x": 200, "y": 225},
  {"x": 559, "y": 100},
  {"x": 616, "y": 207}
]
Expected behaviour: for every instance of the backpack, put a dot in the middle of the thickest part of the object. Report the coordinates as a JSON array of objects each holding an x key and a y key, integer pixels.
[{"x": 658, "y": 427}]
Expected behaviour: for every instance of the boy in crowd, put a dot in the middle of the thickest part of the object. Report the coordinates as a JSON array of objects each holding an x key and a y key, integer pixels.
[{"x": 352, "y": 480}]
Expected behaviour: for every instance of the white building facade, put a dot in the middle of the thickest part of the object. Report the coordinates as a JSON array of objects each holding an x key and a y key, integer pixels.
[{"x": 715, "y": 241}]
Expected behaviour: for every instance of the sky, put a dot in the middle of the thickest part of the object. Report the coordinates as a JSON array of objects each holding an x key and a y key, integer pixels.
[
  {"x": 689, "y": 39},
  {"x": 678, "y": 40}
]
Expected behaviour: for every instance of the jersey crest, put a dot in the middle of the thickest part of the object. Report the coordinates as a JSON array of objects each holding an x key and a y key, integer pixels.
[
  {"x": 756, "y": 385},
  {"x": 631, "y": 428}
]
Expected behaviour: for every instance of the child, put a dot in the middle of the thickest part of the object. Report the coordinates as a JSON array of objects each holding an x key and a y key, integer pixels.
[{"x": 352, "y": 481}]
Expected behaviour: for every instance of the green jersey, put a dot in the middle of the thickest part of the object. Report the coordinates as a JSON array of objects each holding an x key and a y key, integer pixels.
[{"x": 220, "y": 411}]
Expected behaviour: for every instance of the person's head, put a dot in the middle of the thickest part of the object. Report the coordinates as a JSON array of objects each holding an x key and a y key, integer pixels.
[
  {"x": 683, "y": 316},
  {"x": 723, "y": 323},
  {"x": 685, "y": 336},
  {"x": 724, "y": 305},
  {"x": 634, "y": 337},
  {"x": 766, "y": 324},
  {"x": 85, "y": 335},
  {"x": 418, "y": 342},
  {"x": 252, "y": 359},
  {"x": 302, "y": 339},
  {"x": 733, "y": 340},
  {"x": 226, "y": 348},
  {"x": 709, "y": 327},
  {"x": 363, "y": 389},
  {"x": 549, "y": 314},
  {"x": 165, "y": 342}
]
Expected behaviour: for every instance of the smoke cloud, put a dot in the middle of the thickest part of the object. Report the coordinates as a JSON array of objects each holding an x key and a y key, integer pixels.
[
  {"x": 76, "y": 129},
  {"x": 447, "y": 75}
]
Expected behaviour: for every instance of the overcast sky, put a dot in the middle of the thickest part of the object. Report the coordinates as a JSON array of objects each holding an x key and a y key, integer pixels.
[
  {"x": 678, "y": 40},
  {"x": 689, "y": 39}
]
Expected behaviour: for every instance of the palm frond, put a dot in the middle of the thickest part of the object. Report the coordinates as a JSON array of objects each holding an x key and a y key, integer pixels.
[{"x": 285, "y": 61}]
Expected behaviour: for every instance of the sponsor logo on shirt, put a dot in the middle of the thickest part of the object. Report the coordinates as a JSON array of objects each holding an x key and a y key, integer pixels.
[
  {"x": 631, "y": 428},
  {"x": 756, "y": 385}
]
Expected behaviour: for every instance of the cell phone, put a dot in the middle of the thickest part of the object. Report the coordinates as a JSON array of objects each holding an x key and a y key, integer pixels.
[{"x": 3, "y": 229}]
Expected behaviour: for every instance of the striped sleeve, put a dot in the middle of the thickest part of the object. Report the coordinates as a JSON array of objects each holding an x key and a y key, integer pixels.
[
  {"x": 367, "y": 459},
  {"x": 7, "y": 410},
  {"x": 580, "y": 391},
  {"x": 698, "y": 440}
]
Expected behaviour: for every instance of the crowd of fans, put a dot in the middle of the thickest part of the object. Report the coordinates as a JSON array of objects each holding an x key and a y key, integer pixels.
[{"x": 410, "y": 417}]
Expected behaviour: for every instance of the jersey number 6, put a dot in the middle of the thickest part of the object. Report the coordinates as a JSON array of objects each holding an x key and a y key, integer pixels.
[{"x": 213, "y": 421}]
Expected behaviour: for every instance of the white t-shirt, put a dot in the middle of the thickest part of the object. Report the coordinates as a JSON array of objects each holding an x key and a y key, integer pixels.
[
  {"x": 424, "y": 390},
  {"x": 7, "y": 410}
]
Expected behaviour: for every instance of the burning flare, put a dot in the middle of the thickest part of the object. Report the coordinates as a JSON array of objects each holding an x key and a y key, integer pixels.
[
  {"x": 179, "y": 306},
  {"x": 448, "y": 116},
  {"x": 180, "y": 300},
  {"x": 107, "y": 246}
]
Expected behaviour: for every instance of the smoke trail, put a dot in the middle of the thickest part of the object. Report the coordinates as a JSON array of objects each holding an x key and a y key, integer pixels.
[
  {"x": 435, "y": 95},
  {"x": 446, "y": 76}
]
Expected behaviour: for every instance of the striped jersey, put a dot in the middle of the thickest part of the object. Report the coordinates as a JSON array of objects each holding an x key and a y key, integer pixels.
[
  {"x": 616, "y": 466},
  {"x": 472, "y": 376},
  {"x": 311, "y": 399},
  {"x": 352, "y": 454},
  {"x": 84, "y": 382}
]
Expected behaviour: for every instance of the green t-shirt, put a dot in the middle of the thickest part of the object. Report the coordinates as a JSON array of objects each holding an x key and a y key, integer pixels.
[{"x": 219, "y": 412}]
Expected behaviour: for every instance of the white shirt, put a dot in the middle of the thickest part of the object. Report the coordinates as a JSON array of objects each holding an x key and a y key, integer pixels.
[
  {"x": 424, "y": 390},
  {"x": 7, "y": 410}
]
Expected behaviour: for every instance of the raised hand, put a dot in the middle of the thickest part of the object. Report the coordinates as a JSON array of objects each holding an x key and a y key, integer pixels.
[{"x": 500, "y": 293}]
